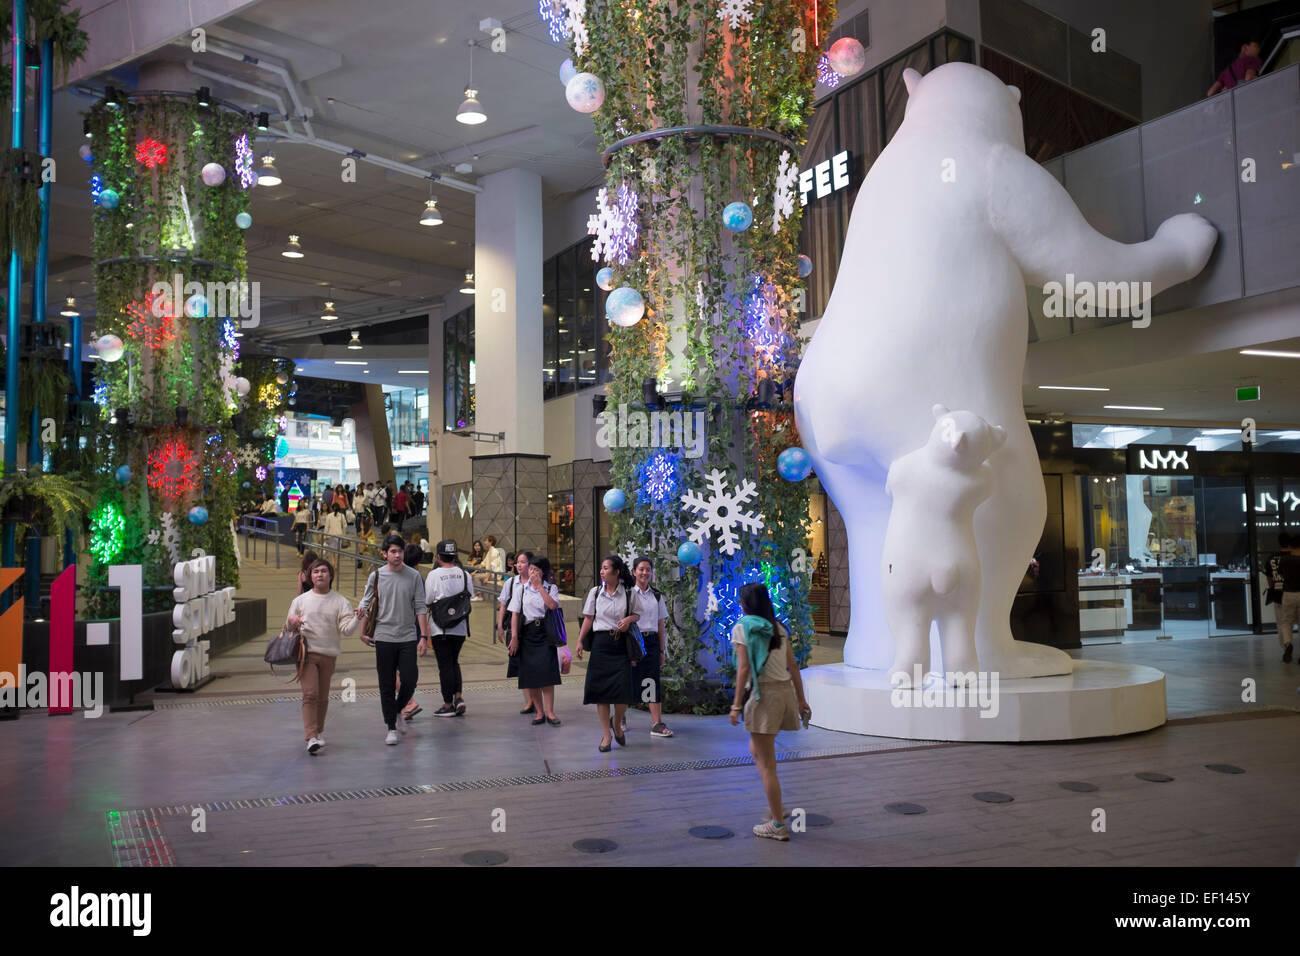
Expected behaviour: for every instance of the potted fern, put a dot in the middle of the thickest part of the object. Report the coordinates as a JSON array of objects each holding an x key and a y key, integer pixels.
[{"x": 51, "y": 502}]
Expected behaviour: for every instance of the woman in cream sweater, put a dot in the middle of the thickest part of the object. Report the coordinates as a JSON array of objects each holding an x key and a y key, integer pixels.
[{"x": 324, "y": 617}]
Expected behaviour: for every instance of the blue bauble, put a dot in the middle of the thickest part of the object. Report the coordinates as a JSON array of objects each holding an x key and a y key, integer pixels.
[
  {"x": 737, "y": 216},
  {"x": 198, "y": 515},
  {"x": 243, "y": 220},
  {"x": 614, "y": 500},
  {"x": 108, "y": 199},
  {"x": 257, "y": 433},
  {"x": 197, "y": 307},
  {"x": 605, "y": 279},
  {"x": 794, "y": 464},
  {"x": 123, "y": 474},
  {"x": 690, "y": 553},
  {"x": 624, "y": 306},
  {"x": 805, "y": 267},
  {"x": 248, "y": 484}
]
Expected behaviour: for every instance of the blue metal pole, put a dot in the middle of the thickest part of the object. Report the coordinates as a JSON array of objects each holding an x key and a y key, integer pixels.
[
  {"x": 35, "y": 449},
  {"x": 15, "y": 273}
]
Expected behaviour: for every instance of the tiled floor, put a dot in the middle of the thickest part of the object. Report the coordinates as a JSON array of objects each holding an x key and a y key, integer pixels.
[{"x": 62, "y": 777}]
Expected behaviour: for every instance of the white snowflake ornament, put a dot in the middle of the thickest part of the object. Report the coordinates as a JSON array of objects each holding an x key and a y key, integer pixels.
[
  {"x": 171, "y": 536},
  {"x": 783, "y": 195},
  {"x": 248, "y": 455},
  {"x": 723, "y": 512},
  {"x": 735, "y": 11},
  {"x": 629, "y": 553},
  {"x": 614, "y": 225},
  {"x": 575, "y": 19},
  {"x": 712, "y": 607}
]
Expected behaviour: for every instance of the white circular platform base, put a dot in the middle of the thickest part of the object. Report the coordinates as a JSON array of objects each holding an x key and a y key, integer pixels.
[{"x": 1100, "y": 699}]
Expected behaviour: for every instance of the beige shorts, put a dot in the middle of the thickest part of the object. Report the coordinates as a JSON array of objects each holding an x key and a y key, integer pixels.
[{"x": 774, "y": 710}]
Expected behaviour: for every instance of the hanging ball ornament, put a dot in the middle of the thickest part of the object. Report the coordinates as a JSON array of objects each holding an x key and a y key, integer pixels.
[
  {"x": 624, "y": 306},
  {"x": 198, "y": 515},
  {"x": 737, "y": 216},
  {"x": 805, "y": 267},
  {"x": 123, "y": 474},
  {"x": 690, "y": 554},
  {"x": 282, "y": 378},
  {"x": 567, "y": 72},
  {"x": 605, "y": 279},
  {"x": 847, "y": 56},
  {"x": 794, "y": 464},
  {"x": 109, "y": 348},
  {"x": 242, "y": 386},
  {"x": 258, "y": 433},
  {"x": 585, "y": 92},
  {"x": 86, "y": 153},
  {"x": 197, "y": 307},
  {"x": 214, "y": 174},
  {"x": 108, "y": 199},
  {"x": 243, "y": 220},
  {"x": 614, "y": 500}
]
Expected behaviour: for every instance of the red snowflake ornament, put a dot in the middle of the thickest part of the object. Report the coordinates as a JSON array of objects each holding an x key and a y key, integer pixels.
[
  {"x": 150, "y": 152},
  {"x": 173, "y": 470},
  {"x": 154, "y": 330}
]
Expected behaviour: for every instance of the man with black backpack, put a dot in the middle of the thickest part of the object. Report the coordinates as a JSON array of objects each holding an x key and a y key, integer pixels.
[{"x": 448, "y": 592}]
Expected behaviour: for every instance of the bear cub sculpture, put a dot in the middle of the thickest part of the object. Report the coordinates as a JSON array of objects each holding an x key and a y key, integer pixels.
[{"x": 930, "y": 570}]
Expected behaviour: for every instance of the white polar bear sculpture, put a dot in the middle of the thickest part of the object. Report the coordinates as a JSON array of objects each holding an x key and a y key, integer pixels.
[
  {"x": 951, "y": 223},
  {"x": 929, "y": 570}
]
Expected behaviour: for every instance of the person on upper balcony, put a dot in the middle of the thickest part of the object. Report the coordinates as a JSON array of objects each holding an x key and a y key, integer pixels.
[{"x": 1242, "y": 70}]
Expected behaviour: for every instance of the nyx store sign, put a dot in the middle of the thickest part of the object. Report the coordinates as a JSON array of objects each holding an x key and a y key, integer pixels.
[
  {"x": 828, "y": 176},
  {"x": 1161, "y": 460}
]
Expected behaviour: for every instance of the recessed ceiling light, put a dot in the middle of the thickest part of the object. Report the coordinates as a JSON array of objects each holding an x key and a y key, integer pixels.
[
  {"x": 1074, "y": 388},
  {"x": 1270, "y": 353},
  {"x": 1137, "y": 408},
  {"x": 346, "y": 362},
  {"x": 411, "y": 371},
  {"x": 298, "y": 369}
]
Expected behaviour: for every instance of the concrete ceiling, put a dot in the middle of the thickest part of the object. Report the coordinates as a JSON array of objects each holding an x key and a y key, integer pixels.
[{"x": 385, "y": 78}]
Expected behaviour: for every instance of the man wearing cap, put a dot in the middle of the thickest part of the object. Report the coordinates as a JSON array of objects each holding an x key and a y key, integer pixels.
[{"x": 444, "y": 581}]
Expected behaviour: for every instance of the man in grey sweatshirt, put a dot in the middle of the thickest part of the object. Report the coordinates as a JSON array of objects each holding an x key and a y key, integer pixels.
[{"x": 401, "y": 620}]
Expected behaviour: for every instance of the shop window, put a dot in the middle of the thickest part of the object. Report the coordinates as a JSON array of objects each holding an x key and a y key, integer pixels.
[
  {"x": 458, "y": 370},
  {"x": 559, "y": 538}
]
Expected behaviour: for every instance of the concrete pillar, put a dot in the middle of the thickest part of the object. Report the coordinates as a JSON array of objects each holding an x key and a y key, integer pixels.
[
  {"x": 509, "y": 485},
  {"x": 374, "y": 448},
  {"x": 508, "y": 310},
  {"x": 433, "y": 501}
]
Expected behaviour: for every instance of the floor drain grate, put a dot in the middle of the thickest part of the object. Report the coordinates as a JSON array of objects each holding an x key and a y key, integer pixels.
[{"x": 138, "y": 840}]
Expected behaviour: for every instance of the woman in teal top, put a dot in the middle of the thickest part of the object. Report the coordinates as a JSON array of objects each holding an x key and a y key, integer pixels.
[{"x": 765, "y": 661}]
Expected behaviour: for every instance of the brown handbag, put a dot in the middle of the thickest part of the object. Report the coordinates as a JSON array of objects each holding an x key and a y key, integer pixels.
[{"x": 372, "y": 613}]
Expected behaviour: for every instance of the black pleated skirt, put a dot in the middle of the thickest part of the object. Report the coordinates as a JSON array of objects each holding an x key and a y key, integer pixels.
[
  {"x": 609, "y": 673},
  {"x": 645, "y": 675},
  {"x": 539, "y": 664}
]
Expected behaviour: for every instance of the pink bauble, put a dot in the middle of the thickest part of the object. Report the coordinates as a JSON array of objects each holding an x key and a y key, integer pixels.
[
  {"x": 214, "y": 174},
  {"x": 847, "y": 56}
]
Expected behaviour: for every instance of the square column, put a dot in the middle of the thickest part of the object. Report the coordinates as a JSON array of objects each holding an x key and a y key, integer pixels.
[
  {"x": 510, "y": 500},
  {"x": 508, "y": 312}
]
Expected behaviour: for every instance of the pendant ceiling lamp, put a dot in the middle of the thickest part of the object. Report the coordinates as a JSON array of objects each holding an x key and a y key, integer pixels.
[
  {"x": 356, "y": 340},
  {"x": 328, "y": 314},
  {"x": 267, "y": 175},
  {"x": 293, "y": 250},
  {"x": 471, "y": 111},
  {"x": 431, "y": 216}
]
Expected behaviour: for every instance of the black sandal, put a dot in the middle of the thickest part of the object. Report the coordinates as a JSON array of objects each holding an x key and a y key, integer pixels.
[
  {"x": 530, "y": 709},
  {"x": 538, "y": 722},
  {"x": 553, "y": 721}
]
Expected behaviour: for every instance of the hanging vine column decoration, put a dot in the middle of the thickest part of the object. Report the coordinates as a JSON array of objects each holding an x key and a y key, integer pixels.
[
  {"x": 170, "y": 288},
  {"x": 704, "y": 115}
]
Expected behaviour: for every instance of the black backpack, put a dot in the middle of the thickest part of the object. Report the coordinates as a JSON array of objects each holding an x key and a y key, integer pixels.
[{"x": 449, "y": 611}]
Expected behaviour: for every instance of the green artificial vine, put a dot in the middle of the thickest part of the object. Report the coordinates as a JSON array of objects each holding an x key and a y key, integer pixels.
[
  {"x": 679, "y": 64},
  {"x": 175, "y": 383}
]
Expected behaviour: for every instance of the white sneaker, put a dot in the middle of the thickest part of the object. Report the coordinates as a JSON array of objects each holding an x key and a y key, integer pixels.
[
  {"x": 313, "y": 745},
  {"x": 401, "y": 725},
  {"x": 320, "y": 739},
  {"x": 391, "y": 739}
]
